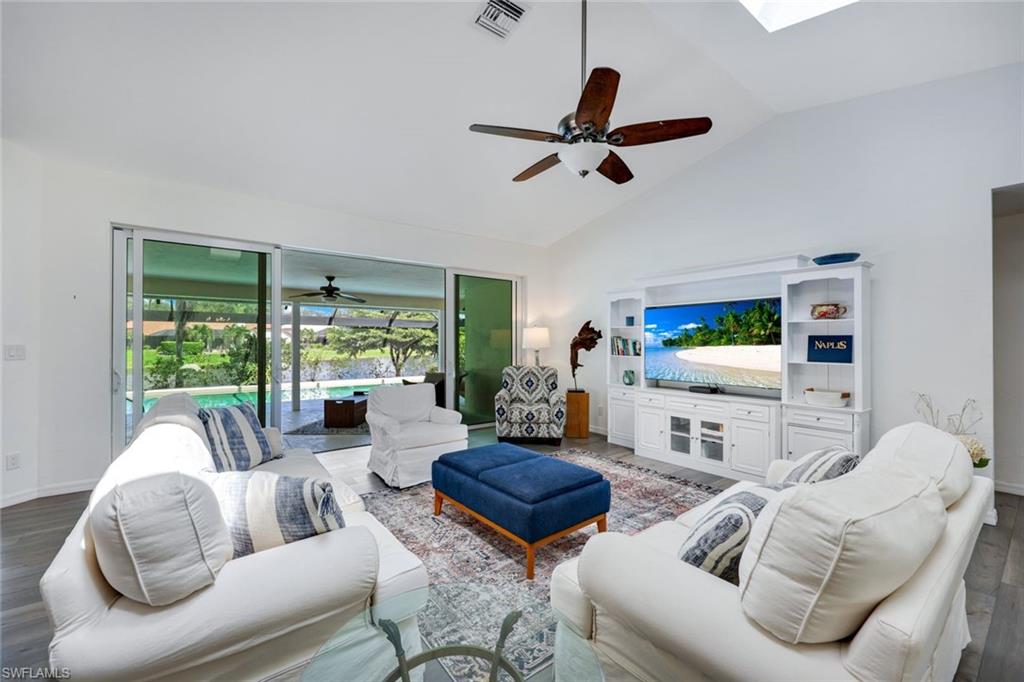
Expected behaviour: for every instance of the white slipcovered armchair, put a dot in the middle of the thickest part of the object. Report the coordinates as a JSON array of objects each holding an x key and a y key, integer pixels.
[{"x": 408, "y": 432}]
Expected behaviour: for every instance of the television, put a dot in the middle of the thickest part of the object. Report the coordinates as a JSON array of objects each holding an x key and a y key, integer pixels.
[{"x": 734, "y": 344}]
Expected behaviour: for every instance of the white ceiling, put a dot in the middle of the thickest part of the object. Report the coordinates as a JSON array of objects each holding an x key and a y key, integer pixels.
[{"x": 364, "y": 107}]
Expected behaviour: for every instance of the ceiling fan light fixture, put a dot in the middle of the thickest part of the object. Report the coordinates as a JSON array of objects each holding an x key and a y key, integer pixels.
[{"x": 583, "y": 157}]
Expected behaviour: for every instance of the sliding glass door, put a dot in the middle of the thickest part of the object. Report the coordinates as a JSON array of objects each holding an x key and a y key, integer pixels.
[
  {"x": 192, "y": 317},
  {"x": 483, "y": 339}
]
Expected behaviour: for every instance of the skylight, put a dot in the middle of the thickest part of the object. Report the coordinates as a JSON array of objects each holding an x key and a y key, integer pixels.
[{"x": 778, "y": 14}]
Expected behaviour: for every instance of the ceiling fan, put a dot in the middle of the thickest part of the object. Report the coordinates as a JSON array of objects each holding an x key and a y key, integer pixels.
[
  {"x": 586, "y": 134},
  {"x": 330, "y": 293}
]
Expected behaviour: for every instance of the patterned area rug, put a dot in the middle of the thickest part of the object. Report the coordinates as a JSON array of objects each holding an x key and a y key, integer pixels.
[
  {"x": 317, "y": 428},
  {"x": 477, "y": 576}
]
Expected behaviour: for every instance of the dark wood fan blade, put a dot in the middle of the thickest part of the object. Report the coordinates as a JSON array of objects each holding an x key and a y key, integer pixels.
[
  {"x": 598, "y": 97},
  {"x": 520, "y": 133},
  {"x": 615, "y": 169},
  {"x": 658, "y": 131},
  {"x": 350, "y": 297},
  {"x": 537, "y": 168},
  {"x": 310, "y": 294}
]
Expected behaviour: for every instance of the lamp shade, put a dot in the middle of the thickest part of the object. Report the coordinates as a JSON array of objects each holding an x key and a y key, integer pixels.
[
  {"x": 583, "y": 157},
  {"x": 535, "y": 338}
]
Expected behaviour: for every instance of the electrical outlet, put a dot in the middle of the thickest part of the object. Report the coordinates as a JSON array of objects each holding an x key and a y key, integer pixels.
[
  {"x": 600, "y": 411},
  {"x": 14, "y": 352},
  {"x": 12, "y": 461}
]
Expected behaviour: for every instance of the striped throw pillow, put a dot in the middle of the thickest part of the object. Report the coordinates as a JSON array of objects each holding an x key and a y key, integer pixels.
[
  {"x": 264, "y": 510},
  {"x": 236, "y": 439},
  {"x": 822, "y": 465},
  {"x": 717, "y": 540}
]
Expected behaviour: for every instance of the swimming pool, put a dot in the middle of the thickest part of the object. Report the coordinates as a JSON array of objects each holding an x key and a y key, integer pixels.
[{"x": 227, "y": 399}]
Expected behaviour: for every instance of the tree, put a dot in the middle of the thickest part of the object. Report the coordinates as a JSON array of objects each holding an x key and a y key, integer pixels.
[
  {"x": 311, "y": 360},
  {"x": 180, "y": 315},
  {"x": 351, "y": 341},
  {"x": 404, "y": 343},
  {"x": 199, "y": 332}
]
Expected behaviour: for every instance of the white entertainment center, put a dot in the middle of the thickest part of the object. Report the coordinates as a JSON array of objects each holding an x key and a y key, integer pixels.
[{"x": 730, "y": 434}]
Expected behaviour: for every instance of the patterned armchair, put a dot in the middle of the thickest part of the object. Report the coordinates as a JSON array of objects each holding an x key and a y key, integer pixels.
[{"x": 529, "y": 406}]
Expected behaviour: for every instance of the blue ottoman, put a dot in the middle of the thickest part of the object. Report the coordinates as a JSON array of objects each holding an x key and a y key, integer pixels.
[{"x": 529, "y": 498}]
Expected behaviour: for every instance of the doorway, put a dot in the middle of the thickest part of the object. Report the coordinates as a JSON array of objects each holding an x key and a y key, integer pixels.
[
  {"x": 483, "y": 337},
  {"x": 190, "y": 315},
  {"x": 1008, "y": 335}
]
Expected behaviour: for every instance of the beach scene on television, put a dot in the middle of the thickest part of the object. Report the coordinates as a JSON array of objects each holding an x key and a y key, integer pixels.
[{"x": 735, "y": 343}]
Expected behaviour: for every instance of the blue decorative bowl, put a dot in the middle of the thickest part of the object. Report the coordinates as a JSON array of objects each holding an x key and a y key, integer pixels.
[{"x": 833, "y": 258}]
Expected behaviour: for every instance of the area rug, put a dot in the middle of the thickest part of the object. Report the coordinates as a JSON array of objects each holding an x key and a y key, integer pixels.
[
  {"x": 317, "y": 428},
  {"x": 477, "y": 576}
]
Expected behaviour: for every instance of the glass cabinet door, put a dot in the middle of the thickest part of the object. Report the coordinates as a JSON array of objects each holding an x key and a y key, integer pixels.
[
  {"x": 680, "y": 431},
  {"x": 712, "y": 440}
]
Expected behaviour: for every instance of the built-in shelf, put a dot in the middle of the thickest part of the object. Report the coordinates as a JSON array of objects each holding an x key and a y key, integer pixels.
[
  {"x": 824, "y": 364},
  {"x": 810, "y": 321}
]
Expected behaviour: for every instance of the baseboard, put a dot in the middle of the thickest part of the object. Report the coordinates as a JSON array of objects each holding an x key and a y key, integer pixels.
[
  {"x": 18, "y": 498},
  {"x": 598, "y": 429},
  {"x": 1012, "y": 488},
  {"x": 49, "y": 491}
]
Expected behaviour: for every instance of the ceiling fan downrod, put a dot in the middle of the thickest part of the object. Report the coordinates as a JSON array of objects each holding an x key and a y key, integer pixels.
[{"x": 583, "y": 49}]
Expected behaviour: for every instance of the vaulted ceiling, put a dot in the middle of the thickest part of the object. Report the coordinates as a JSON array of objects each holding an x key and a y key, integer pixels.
[{"x": 364, "y": 107}]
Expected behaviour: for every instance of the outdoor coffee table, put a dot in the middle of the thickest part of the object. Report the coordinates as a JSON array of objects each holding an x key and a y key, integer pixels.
[
  {"x": 345, "y": 413},
  {"x": 529, "y": 498}
]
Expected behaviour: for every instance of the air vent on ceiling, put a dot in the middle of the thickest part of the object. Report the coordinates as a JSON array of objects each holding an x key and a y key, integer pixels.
[{"x": 500, "y": 17}]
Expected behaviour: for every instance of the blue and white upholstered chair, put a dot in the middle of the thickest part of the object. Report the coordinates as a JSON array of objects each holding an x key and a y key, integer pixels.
[{"x": 529, "y": 408}]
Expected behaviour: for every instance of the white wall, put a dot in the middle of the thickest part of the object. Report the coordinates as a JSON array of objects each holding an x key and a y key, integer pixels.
[
  {"x": 903, "y": 177},
  {"x": 57, "y": 234},
  {"x": 1008, "y": 306}
]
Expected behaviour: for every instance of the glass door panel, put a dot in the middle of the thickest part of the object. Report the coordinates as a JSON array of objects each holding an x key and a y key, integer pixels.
[
  {"x": 205, "y": 324},
  {"x": 712, "y": 440},
  {"x": 196, "y": 318},
  {"x": 484, "y": 326},
  {"x": 680, "y": 434}
]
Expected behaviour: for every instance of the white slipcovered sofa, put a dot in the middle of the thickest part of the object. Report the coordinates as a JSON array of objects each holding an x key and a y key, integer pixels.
[
  {"x": 265, "y": 615},
  {"x": 650, "y": 616},
  {"x": 408, "y": 432}
]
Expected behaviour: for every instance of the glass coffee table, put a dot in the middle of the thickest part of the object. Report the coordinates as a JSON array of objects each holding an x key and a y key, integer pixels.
[{"x": 372, "y": 647}]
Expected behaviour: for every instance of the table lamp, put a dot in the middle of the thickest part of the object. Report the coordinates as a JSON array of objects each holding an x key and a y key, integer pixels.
[{"x": 536, "y": 338}]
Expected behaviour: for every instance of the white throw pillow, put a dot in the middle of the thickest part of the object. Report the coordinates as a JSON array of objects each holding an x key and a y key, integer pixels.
[
  {"x": 159, "y": 538},
  {"x": 928, "y": 451},
  {"x": 822, "y": 556}
]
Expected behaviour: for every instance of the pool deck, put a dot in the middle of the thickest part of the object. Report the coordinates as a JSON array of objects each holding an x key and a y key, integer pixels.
[{"x": 311, "y": 411}]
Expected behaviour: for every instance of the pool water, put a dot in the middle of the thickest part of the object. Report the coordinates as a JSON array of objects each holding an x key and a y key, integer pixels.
[{"x": 228, "y": 399}]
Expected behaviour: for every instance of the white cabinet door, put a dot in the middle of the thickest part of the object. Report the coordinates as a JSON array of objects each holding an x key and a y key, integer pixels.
[
  {"x": 801, "y": 440},
  {"x": 751, "y": 446},
  {"x": 650, "y": 428},
  {"x": 620, "y": 422}
]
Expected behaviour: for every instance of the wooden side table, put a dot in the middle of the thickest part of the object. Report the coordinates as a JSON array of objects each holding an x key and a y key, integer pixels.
[
  {"x": 344, "y": 413},
  {"x": 577, "y": 419}
]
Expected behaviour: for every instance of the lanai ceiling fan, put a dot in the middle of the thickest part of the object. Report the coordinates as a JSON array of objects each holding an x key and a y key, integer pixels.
[
  {"x": 330, "y": 293},
  {"x": 586, "y": 134}
]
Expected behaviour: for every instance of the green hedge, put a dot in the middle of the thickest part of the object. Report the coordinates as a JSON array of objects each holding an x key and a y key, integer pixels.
[{"x": 187, "y": 347}]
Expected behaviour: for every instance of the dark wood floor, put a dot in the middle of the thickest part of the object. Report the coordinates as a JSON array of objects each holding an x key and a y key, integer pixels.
[{"x": 31, "y": 533}]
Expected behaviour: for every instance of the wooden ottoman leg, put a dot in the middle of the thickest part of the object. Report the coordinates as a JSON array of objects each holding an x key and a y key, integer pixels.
[
  {"x": 530, "y": 556},
  {"x": 602, "y": 524},
  {"x": 438, "y": 499}
]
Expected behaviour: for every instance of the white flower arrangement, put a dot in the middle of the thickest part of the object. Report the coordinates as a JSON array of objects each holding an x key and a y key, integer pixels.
[{"x": 960, "y": 425}]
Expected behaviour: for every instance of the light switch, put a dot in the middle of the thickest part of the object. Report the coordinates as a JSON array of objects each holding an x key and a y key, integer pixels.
[{"x": 14, "y": 352}]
